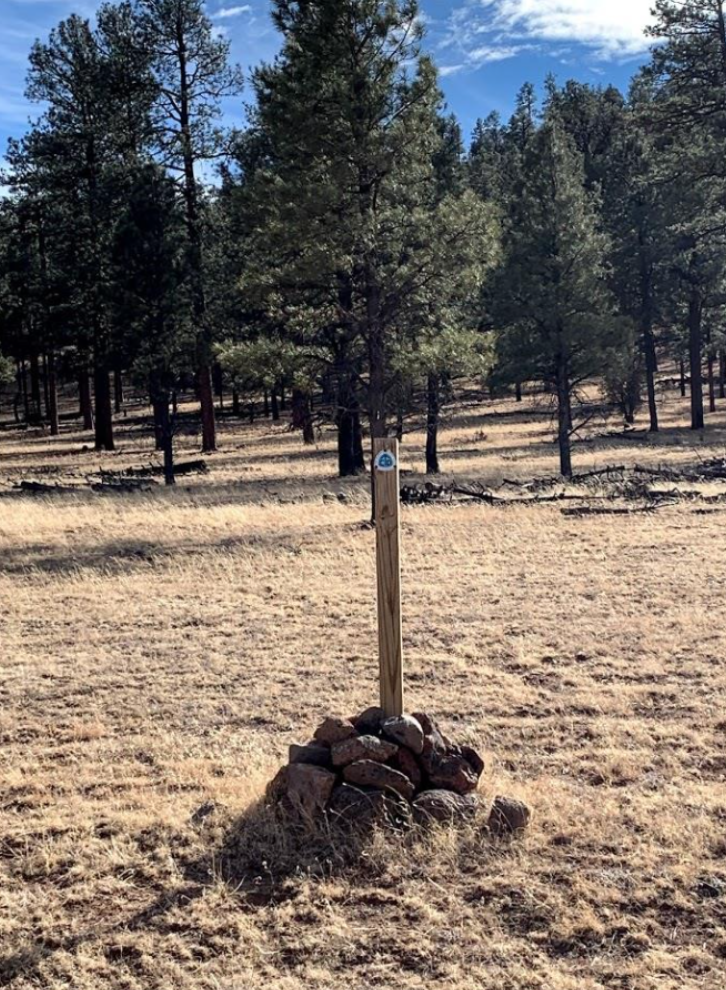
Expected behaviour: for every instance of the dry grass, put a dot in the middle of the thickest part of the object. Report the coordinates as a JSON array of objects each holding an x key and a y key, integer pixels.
[{"x": 159, "y": 653}]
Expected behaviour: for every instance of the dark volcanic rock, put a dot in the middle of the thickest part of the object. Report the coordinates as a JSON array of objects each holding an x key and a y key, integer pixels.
[
  {"x": 367, "y": 773},
  {"x": 406, "y": 762},
  {"x": 406, "y": 731},
  {"x": 368, "y": 722},
  {"x": 362, "y": 748},
  {"x": 508, "y": 816},
  {"x": 443, "y": 806},
  {"x": 446, "y": 765},
  {"x": 312, "y": 753},
  {"x": 307, "y": 790},
  {"x": 334, "y": 730}
]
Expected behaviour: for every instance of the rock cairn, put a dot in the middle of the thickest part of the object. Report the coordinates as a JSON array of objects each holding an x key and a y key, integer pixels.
[{"x": 376, "y": 769}]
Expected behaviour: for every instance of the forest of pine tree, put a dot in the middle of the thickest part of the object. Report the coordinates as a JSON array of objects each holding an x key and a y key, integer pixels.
[{"x": 342, "y": 252}]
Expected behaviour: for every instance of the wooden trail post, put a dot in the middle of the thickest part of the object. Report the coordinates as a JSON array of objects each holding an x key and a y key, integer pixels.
[{"x": 388, "y": 562}]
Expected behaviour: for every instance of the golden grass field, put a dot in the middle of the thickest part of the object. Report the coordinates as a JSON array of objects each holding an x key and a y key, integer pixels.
[{"x": 160, "y": 651}]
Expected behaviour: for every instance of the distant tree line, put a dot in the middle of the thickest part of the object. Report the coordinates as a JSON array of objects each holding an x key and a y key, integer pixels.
[{"x": 343, "y": 245}]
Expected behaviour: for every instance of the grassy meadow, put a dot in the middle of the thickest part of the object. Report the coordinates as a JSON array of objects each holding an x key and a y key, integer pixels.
[{"x": 159, "y": 651}]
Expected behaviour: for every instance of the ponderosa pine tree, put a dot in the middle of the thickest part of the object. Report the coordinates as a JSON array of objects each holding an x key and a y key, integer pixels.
[
  {"x": 151, "y": 294},
  {"x": 82, "y": 143},
  {"x": 553, "y": 309},
  {"x": 194, "y": 75},
  {"x": 349, "y": 113}
]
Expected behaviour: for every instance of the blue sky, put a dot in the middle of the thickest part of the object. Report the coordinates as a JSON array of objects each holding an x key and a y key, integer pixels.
[{"x": 485, "y": 48}]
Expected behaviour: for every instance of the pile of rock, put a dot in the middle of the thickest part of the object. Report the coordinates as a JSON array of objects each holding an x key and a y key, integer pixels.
[{"x": 399, "y": 770}]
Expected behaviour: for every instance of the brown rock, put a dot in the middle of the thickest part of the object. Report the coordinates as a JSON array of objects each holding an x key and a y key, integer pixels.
[
  {"x": 406, "y": 731},
  {"x": 368, "y": 722},
  {"x": 451, "y": 771},
  {"x": 446, "y": 765},
  {"x": 362, "y": 748},
  {"x": 443, "y": 806},
  {"x": 473, "y": 759},
  {"x": 405, "y": 761},
  {"x": 508, "y": 816},
  {"x": 308, "y": 789},
  {"x": 368, "y": 773},
  {"x": 334, "y": 730},
  {"x": 312, "y": 753}
]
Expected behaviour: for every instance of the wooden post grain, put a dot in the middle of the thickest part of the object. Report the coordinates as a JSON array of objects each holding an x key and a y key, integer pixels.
[{"x": 390, "y": 636}]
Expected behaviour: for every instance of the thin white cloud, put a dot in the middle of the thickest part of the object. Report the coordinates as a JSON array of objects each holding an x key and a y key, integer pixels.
[
  {"x": 233, "y": 11},
  {"x": 609, "y": 29}
]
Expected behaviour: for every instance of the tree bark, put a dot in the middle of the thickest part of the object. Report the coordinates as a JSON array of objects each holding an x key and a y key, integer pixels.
[
  {"x": 265, "y": 403},
  {"x": 646, "y": 320},
  {"x": 52, "y": 382},
  {"x": 86, "y": 404},
  {"x": 722, "y": 375},
  {"x": 682, "y": 381},
  {"x": 274, "y": 406},
  {"x": 711, "y": 382},
  {"x": 694, "y": 356},
  {"x": 564, "y": 418},
  {"x": 36, "y": 408},
  {"x": 235, "y": 402},
  {"x": 104, "y": 416},
  {"x": 301, "y": 416},
  {"x": 517, "y": 391},
  {"x": 163, "y": 425},
  {"x": 46, "y": 393},
  {"x": 206, "y": 402},
  {"x": 432, "y": 425}
]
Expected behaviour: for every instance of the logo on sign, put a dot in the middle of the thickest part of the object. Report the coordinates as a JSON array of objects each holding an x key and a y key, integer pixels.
[{"x": 385, "y": 461}]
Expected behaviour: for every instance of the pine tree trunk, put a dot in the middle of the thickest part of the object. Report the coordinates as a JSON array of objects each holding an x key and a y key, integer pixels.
[
  {"x": 86, "y": 404},
  {"x": 518, "y": 391},
  {"x": 564, "y": 418},
  {"x": 118, "y": 392},
  {"x": 646, "y": 319},
  {"x": 206, "y": 402},
  {"x": 266, "y": 403},
  {"x": 18, "y": 391},
  {"x": 36, "y": 409},
  {"x": 46, "y": 392},
  {"x": 235, "y": 402},
  {"x": 649, "y": 344},
  {"x": 52, "y": 381},
  {"x": 682, "y": 381},
  {"x": 432, "y": 425},
  {"x": 163, "y": 426},
  {"x": 694, "y": 356},
  {"x": 274, "y": 406},
  {"x": 24, "y": 385},
  {"x": 283, "y": 399},
  {"x": 301, "y": 415},
  {"x": 722, "y": 375},
  {"x": 167, "y": 435},
  {"x": 711, "y": 382},
  {"x": 351, "y": 460},
  {"x": 104, "y": 415}
]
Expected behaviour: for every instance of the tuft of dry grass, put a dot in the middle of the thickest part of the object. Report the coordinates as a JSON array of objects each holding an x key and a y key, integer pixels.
[{"x": 159, "y": 652}]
